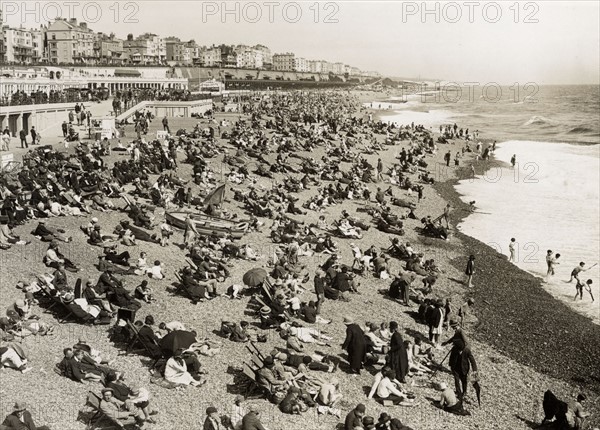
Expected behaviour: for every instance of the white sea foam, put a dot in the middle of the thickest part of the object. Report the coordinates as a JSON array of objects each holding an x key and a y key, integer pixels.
[
  {"x": 550, "y": 201},
  {"x": 432, "y": 118}
]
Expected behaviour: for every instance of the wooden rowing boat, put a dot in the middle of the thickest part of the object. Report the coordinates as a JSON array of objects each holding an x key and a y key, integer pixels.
[{"x": 209, "y": 225}]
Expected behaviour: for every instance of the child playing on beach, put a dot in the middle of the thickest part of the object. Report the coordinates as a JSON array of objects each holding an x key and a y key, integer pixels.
[
  {"x": 577, "y": 270},
  {"x": 551, "y": 262},
  {"x": 580, "y": 286},
  {"x": 165, "y": 233}
]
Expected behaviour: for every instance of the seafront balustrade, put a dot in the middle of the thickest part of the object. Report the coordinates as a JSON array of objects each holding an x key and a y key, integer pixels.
[{"x": 12, "y": 85}]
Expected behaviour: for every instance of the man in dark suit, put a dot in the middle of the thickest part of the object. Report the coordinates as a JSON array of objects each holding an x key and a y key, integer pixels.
[
  {"x": 33, "y": 136},
  {"x": 355, "y": 345},
  {"x": 343, "y": 282},
  {"x": 21, "y": 419},
  {"x": 461, "y": 361},
  {"x": 212, "y": 421},
  {"x": 148, "y": 337},
  {"x": 354, "y": 418},
  {"x": 23, "y": 137}
]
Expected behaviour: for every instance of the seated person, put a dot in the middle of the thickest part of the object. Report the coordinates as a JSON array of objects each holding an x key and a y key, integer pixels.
[
  {"x": 198, "y": 290},
  {"x": 156, "y": 271},
  {"x": 144, "y": 292},
  {"x": 77, "y": 367},
  {"x": 377, "y": 344},
  {"x": 309, "y": 312},
  {"x": 414, "y": 365},
  {"x": 176, "y": 371},
  {"x": 449, "y": 402},
  {"x": 266, "y": 377},
  {"x": 387, "y": 390},
  {"x": 13, "y": 356},
  {"x": 116, "y": 410},
  {"x": 305, "y": 362},
  {"x": 147, "y": 335},
  {"x": 20, "y": 418}
]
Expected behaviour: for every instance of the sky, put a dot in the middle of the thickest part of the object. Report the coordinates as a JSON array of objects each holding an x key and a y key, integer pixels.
[{"x": 481, "y": 42}]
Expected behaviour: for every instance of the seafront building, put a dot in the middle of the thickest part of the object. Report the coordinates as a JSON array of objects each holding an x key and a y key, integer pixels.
[{"x": 69, "y": 42}]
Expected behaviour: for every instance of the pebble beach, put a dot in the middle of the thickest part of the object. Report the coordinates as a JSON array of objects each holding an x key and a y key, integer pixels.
[{"x": 525, "y": 340}]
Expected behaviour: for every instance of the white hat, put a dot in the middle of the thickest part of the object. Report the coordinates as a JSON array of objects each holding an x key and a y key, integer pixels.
[{"x": 94, "y": 220}]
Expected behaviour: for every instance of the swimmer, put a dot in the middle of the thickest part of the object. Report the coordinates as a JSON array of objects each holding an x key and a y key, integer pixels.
[{"x": 577, "y": 270}]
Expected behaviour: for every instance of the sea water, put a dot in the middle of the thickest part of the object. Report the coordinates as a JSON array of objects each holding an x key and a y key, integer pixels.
[{"x": 551, "y": 199}]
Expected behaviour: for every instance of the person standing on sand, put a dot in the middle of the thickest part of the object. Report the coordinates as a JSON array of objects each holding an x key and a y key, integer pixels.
[
  {"x": 355, "y": 345},
  {"x": 379, "y": 170},
  {"x": 472, "y": 171},
  {"x": 511, "y": 249},
  {"x": 470, "y": 270},
  {"x": 447, "y": 158},
  {"x": 461, "y": 362},
  {"x": 513, "y": 160},
  {"x": 190, "y": 233},
  {"x": 446, "y": 215}
]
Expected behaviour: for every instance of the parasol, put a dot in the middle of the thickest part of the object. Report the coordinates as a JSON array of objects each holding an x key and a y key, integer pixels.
[
  {"x": 255, "y": 277},
  {"x": 175, "y": 340}
]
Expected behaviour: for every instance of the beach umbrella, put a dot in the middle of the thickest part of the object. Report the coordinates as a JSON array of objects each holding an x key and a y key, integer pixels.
[
  {"x": 255, "y": 277},
  {"x": 175, "y": 340}
]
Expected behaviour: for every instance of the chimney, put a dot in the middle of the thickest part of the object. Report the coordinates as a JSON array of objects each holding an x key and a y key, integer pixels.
[
  {"x": 83, "y": 25},
  {"x": 73, "y": 21}
]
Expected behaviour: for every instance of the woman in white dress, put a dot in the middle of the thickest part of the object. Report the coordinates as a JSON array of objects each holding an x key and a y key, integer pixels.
[{"x": 176, "y": 372}]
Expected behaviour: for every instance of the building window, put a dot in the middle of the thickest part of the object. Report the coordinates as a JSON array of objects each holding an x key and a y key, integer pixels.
[{"x": 54, "y": 37}]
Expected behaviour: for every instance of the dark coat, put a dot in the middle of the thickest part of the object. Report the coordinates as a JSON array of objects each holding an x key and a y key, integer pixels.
[
  {"x": 208, "y": 424},
  {"x": 434, "y": 318},
  {"x": 398, "y": 358},
  {"x": 352, "y": 421},
  {"x": 356, "y": 346},
  {"x": 470, "y": 268},
  {"x": 342, "y": 282},
  {"x": 462, "y": 361},
  {"x": 12, "y": 421}
]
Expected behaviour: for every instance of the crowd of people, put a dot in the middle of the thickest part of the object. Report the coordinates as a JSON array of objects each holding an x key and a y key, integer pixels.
[{"x": 294, "y": 376}]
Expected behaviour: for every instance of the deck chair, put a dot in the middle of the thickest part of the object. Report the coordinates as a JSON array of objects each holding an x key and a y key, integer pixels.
[
  {"x": 92, "y": 401},
  {"x": 180, "y": 288},
  {"x": 145, "y": 347},
  {"x": 253, "y": 386},
  {"x": 49, "y": 298},
  {"x": 256, "y": 360},
  {"x": 267, "y": 288},
  {"x": 127, "y": 202},
  {"x": 260, "y": 301},
  {"x": 251, "y": 346}
]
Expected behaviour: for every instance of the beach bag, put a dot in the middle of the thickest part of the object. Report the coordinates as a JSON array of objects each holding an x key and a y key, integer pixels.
[{"x": 384, "y": 275}]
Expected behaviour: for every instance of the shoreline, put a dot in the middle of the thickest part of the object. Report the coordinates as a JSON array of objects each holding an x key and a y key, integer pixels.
[
  {"x": 512, "y": 323},
  {"x": 527, "y": 309}
]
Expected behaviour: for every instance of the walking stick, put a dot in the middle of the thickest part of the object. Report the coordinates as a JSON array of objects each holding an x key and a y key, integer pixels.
[{"x": 440, "y": 365}]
